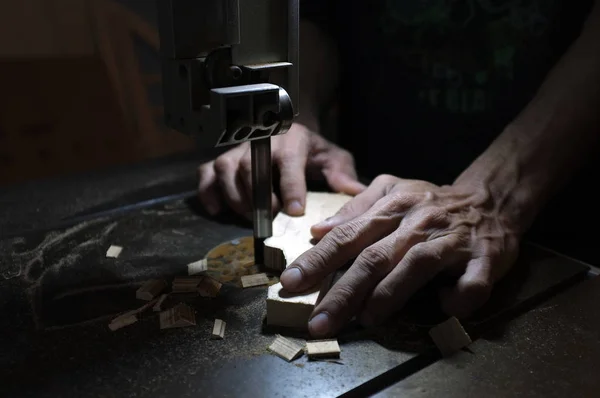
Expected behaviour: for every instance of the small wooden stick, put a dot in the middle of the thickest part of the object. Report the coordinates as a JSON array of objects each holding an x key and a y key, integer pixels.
[{"x": 160, "y": 302}]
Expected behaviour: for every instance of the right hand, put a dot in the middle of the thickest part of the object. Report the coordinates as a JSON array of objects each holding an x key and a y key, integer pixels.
[{"x": 297, "y": 153}]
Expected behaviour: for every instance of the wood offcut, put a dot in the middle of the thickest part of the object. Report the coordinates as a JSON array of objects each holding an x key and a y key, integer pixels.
[
  {"x": 197, "y": 267},
  {"x": 114, "y": 251},
  {"x": 186, "y": 284},
  {"x": 159, "y": 302},
  {"x": 151, "y": 289},
  {"x": 450, "y": 336},
  {"x": 179, "y": 316},
  {"x": 321, "y": 349},
  {"x": 254, "y": 280},
  {"x": 291, "y": 238},
  {"x": 209, "y": 287},
  {"x": 286, "y": 349},
  {"x": 218, "y": 331}
]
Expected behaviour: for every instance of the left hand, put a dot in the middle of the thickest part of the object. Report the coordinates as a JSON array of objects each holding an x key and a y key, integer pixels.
[{"x": 402, "y": 234}]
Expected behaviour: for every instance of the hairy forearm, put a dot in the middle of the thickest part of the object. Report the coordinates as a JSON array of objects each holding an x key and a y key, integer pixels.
[
  {"x": 318, "y": 74},
  {"x": 550, "y": 139}
]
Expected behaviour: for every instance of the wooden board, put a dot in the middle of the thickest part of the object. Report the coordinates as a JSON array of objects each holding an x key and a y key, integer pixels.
[{"x": 291, "y": 237}]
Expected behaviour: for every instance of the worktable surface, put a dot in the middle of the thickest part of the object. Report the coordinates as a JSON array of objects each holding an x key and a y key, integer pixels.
[{"x": 58, "y": 292}]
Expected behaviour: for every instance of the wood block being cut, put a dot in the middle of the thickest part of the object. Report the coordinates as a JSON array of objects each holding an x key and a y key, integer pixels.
[
  {"x": 179, "y": 316},
  {"x": 254, "y": 280},
  {"x": 449, "y": 336},
  {"x": 218, "y": 331},
  {"x": 149, "y": 290},
  {"x": 323, "y": 349},
  {"x": 291, "y": 238},
  {"x": 286, "y": 349},
  {"x": 114, "y": 251}
]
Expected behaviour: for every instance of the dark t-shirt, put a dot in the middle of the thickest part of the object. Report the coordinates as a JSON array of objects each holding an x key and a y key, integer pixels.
[{"x": 428, "y": 84}]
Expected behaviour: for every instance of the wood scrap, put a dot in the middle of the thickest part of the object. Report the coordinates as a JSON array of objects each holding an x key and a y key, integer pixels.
[
  {"x": 159, "y": 302},
  {"x": 318, "y": 349},
  {"x": 114, "y": 251},
  {"x": 179, "y": 316},
  {"x": 149, "y": 290},
  {"x": 254, "y": 280},
  {"x": 218, "y": 331},
  {"x": 209, "y": 287},
  {"x": 130, "y": 317},
  {"x": 291, "y": 238},
  {"x": 197, "y": 267},
  {"x": 450, "y": 336},
  {"x": 286, "y": 349},
  {"x": 186, "y": 284},
  {"x": 122, "y": 321}
]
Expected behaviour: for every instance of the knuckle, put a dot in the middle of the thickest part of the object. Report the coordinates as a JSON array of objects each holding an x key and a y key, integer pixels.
[
  {"x": 342, "y": 296},
  {"x": 376, "y": 259},
  {"x": 424, "y": 254},
  {"x": 384, "y": 293},
  {"x": 246, "y": 164},
  {"x": 342, "y": 235},
  {"x": 431, "y": 217},
  {"x": 346, "y": 157},
  {"x": 223, "y": 164},
  {"x": 384, "y": 179}
]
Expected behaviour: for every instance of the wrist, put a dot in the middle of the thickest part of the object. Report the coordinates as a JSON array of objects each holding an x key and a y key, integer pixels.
[{"x": 505, "y": 173}]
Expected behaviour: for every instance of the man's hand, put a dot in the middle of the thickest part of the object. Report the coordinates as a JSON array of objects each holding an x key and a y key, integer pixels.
[
  {"x": 402, "y": 234},
  {"x": 296, "y": 153}
]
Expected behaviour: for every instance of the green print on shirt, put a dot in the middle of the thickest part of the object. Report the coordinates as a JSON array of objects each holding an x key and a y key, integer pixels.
[{"x": 463, "y": 51}]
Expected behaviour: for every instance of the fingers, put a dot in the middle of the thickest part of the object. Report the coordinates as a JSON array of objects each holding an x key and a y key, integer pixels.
[
  {"x": 347, "y": 296},
  {"x": 472, "y": 290},
  {"x": 340, "y": 174},
  {"x": 208, "y": 188},
  {"x": 291, "y": 161},
  {"x": 355, "y": 207},
  {"x": 226, "y": 168},
  {"x": 420, "y": 264},
  {"x": 342, "y": 244}
]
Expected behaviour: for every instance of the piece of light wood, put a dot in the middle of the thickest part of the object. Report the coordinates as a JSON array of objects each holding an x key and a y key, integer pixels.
[
  {"x": 186, "y": 284},
  {"x": 218, "y": 331},
  {"x": 291, "y": 238},
  {"x": 197, "y": 267},
  {"x": 209, "y": 287},
  {"x": 286, "y": 349},
  {"x": 449, "y": 336},
  {"x": 323, "y": 349},
  {"x": 254, "y": 280},
  {"x": 114, "y": 251},
  {"x": 159, "y": 302},
  {"x": 179, "y": 316},
  {"x": 122, "y": 321},
  {"x": 151, "y": 289}
]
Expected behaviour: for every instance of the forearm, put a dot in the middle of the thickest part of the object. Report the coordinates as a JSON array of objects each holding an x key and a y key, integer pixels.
[
  {"x": 318, "y": 74},
  {"x": 550, "y": 139}
]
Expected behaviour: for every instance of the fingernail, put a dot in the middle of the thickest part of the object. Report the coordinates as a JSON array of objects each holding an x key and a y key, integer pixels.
[
  {"x": 319, "y": 325},
  {"x": 295, "y": 208},
  {"x": 291, "y": 278},
  {"x": 326, "y": 222}
]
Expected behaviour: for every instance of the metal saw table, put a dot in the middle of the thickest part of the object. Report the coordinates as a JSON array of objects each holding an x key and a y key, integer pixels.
[{"x": 539, "y": 334}]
